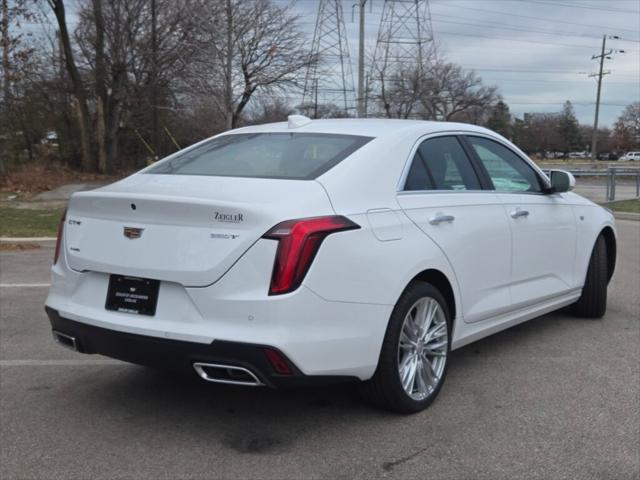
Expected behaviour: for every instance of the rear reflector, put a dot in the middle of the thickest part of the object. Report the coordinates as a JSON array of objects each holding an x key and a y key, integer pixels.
[
  {"x": 299, "y": 241},
  {"x": 278, "y": 362},
  {"x": 59, "y": 237}
]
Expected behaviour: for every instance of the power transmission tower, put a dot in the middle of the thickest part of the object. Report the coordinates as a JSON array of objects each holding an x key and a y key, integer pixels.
[
  {"x": 604, "y": 55},
  {"x": 329, "y": 79},
  {"x": 405, "y": 38}
]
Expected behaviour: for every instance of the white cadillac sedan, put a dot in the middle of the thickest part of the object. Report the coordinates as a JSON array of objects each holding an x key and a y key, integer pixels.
[{"x": 326, "y": 250}]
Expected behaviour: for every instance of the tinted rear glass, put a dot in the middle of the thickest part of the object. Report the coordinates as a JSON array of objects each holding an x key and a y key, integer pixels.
[{"x": 299, "y": 156}]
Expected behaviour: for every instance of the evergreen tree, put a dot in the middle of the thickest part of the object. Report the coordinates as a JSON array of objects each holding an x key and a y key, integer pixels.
[
  {"x": 569, "y": 129},
  {"x": 500, "y": 120}
]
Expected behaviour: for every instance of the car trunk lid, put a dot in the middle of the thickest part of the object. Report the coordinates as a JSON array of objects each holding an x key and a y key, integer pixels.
[{"x": 178, "y": 228}]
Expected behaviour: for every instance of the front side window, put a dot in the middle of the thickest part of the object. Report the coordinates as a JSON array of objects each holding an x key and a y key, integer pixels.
[
  {"x": 508, "y": 172},
  {"x": 297, "y": 156},
  {"x": 441, "y": 164}
]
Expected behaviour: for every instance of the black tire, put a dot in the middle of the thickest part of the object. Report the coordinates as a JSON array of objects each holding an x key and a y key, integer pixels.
[
  {"x": 384, "y": 389},
  {"x": 593, "y": 301}
]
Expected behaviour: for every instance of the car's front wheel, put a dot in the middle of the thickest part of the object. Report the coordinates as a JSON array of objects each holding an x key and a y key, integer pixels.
[
  {"x": 414, "y": 356},
  {"x": 593, "y": 301}
]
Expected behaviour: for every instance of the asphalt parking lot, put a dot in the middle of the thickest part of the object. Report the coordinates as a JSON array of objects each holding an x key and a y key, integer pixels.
[{"x": 557, "y": 397}]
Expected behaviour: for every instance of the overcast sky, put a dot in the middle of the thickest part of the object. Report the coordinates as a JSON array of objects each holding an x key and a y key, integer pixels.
[{"x": 538, "y": 52}]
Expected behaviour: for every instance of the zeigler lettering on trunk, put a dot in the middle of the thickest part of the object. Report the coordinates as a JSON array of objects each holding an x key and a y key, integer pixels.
[{"x": 228, "y": 217}]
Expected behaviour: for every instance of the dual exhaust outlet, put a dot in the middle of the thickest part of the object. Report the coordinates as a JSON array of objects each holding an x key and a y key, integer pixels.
[
  {"x": 211, "y": 372},
  {"x": 65, "y": 340},
  {"x": 228, "y": 374}
]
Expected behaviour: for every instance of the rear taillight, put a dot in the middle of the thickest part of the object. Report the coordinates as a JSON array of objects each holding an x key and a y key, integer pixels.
[
  {"x": 59, "y": 237},
  {"x": 299, "y": 241}
]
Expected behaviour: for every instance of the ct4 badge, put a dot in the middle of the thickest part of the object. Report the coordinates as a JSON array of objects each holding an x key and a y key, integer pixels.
[{"x": 224, "y": 236}]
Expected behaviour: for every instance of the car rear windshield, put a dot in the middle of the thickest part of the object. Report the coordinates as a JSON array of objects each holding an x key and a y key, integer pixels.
[{"x": 298, "y": 156}]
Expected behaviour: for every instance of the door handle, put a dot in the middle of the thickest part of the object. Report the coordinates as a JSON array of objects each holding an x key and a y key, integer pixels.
[
  {"x": 519, "y": 213},
  {"x": 438, "y": 219}
]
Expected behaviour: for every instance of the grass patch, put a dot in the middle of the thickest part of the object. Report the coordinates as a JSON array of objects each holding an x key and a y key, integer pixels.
[
  {"x": 21, "y": 222},
  {"x": 631, "y": 206}
]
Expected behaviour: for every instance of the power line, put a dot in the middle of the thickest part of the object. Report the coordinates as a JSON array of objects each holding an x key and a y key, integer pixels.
[
  {"x": 586, "y": 103},
  {"x": 577, "y": 80},
  {"x": 507, "y": 39},
  {"x": 569, "y": 5},
  {"x": 496, "y": 25},
  {"x": 540, "y": 71},
  {"x": 581, "y": 104},
  {"x": 531, "y": 17}
]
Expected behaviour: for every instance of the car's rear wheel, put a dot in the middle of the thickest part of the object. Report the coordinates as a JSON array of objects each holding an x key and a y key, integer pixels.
[
  {"x": 415, "y": 351},
  {"x": 593, "y": 301}
]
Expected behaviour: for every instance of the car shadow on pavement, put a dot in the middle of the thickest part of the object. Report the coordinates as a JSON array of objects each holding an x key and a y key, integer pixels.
[
  {"x": 263, "y": 421},
  {"x": 245, "y": 419}
]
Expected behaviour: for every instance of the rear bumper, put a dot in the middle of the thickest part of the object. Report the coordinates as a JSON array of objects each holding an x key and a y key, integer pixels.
[
  {"x": 178, "y": 355},
  {"x": 322, "y": 338}
]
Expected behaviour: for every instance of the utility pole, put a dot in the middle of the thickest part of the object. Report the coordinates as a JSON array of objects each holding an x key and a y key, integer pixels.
[
  {"x": 604, "y": 54},
  {"x": 361, "y": 92},
  {"x": 229, "y": 66},
  {"x": 154, "y": 80}
]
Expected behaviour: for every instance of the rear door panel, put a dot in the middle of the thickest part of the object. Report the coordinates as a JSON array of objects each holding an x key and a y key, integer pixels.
[{"x": 477, "y": 244}]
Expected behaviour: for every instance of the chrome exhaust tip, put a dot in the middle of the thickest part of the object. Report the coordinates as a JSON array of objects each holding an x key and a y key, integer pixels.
[
  {"x": 65, "y": 340},
  {"x": 228, "y": 374}
]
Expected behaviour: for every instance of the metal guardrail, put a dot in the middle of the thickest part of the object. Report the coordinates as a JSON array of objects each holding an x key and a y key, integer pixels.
[{"x": 612, "y": 173}]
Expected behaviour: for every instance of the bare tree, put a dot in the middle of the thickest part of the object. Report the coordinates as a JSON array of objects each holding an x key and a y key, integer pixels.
[
  {"x": 5, "y": 70},
  {"x": 58, "y": 8},
  {"x": 449, "y": 91},
  {"x": 244, "y": 48},
  {"x": 400, "y": 87},
  {"x": 100, "y": 85},
  {"x": 17, "y": 65},
  {"x": 145, "y": 52},
  {"x": 627, "y": 128},
  {"x": 323, "y": 110},
  {"x": 270, "y": 110},
  {"x": 399, "y": 96}
]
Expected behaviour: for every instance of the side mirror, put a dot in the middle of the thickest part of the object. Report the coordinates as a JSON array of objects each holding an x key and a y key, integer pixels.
[{"x": 561, "y": 181}]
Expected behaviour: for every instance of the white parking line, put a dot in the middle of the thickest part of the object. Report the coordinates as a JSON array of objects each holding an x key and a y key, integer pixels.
[
  {"x": 57, "y": 363},
  {"x": 24, "y": 285}
]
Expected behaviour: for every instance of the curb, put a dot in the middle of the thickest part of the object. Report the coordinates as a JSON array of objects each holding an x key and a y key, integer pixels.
[
  {"x": 627, "y": 216},
  {"x": 26, "y": 239}
]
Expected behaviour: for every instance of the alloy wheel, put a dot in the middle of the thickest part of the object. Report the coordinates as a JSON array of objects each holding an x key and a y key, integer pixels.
[{"x": 423, "y": 348}]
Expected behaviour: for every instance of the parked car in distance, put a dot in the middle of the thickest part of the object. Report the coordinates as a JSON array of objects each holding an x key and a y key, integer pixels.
[
  {"x": 578, "y": 155},
  {"x": 314, "y": 251},
  {"x": 630, "y": 156},
  {"x": 607, "y": 156}
]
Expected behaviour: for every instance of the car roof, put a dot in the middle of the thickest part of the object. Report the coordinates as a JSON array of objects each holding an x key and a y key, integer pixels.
[{"x": 370, "y": 127}]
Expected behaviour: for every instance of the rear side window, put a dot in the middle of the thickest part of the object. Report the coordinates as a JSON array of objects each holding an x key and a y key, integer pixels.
[
  {"x": 298, "y": 156},
  {"x": 508, "y": 172},
  {"x": 441, "y": 164},
  {"x": 418, "y": 178}
]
